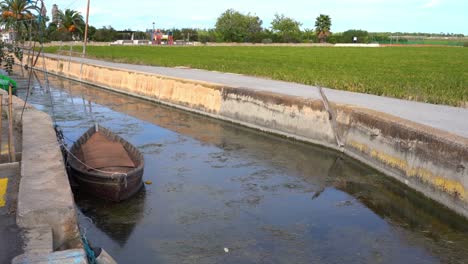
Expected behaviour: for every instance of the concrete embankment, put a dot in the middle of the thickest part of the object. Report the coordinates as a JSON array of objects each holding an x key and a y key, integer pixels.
[
  {"x": 425, "y": 158},
  {"x": 46, "y": 209}
]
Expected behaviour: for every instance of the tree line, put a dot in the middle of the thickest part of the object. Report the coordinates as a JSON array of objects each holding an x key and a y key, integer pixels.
[
  {"x": 233, "y": 26},
  {"x": 30, "y": 21}
]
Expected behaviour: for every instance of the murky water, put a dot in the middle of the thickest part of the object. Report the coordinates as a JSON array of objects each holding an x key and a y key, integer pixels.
[{"x": 226, "y": 194}]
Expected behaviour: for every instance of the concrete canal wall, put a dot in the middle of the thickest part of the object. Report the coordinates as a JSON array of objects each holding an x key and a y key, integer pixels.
[
  {"x": 46, "y": 209},
  {"x": 429, "y": 160}
]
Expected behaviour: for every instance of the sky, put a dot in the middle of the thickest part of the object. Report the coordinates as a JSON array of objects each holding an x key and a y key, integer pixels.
[{"x": 429, "y": 16}]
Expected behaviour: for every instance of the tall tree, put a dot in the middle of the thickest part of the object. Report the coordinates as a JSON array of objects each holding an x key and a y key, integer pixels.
[
  {"x": 71, "y": 21},
  {"x": 105, "y": 34},
  {"x": 234, "y": 26},
  {"x": 254, "y": 28},
  {"x": 322, "y": 27},
  {"x": 287, "y": 29},
  {"x": 188, "y": 34},
  {"x": 18, "y": 15}
]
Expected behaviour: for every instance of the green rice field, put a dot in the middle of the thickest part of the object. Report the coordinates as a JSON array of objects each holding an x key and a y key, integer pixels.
[{"x": 428, "y": 74}]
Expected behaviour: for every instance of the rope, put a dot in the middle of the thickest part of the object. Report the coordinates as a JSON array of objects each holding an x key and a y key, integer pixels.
[
  {"x": 112, "y": 173},
  {"x": 29, "y": 83},
  {"x": 88, "y": 249},
  {"x": 33, "y": 63},
  {"x": 63, "y": 145}
]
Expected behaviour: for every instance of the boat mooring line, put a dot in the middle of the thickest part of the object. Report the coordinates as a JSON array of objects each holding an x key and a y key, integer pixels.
[
  {"x": 63, "y": 145},
  {"x": 29, "y": 81},
  {"x": 112, "y": 173}
]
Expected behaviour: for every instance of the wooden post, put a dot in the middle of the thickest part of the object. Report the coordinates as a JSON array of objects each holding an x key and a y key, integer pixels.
[
  {"x": 85, "y": 40},
  {"x": 69, "y": 58},
  {"x": 11, "y": 145}
]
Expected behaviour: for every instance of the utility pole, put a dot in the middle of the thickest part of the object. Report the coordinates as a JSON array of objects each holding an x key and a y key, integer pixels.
[
  {"x": 152, "y": 35},
  {"x": 86, "y": 31}
]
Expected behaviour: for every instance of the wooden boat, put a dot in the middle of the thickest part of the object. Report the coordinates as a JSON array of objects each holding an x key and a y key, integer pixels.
[{"x": 106, "y": 165}]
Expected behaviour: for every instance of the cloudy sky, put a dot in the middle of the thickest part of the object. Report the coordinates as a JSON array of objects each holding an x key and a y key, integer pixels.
[{"x": 432, "y": 16}]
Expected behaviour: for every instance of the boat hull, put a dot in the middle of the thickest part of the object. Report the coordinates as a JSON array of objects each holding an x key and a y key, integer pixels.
[
  {"x": 110, "y": 189},
  {"x": 110, "y": 186}
]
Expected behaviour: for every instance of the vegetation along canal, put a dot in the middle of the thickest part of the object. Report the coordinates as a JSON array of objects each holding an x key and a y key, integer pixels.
[{"x": 227, "y": 194}]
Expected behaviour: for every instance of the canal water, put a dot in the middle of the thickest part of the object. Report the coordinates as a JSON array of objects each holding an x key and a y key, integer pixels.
[{"x": 227, "y": 194}]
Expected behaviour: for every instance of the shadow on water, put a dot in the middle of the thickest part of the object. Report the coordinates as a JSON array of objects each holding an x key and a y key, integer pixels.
[
  {"x": 265, "y": 198},
  {"x": 117, "y": 220}
]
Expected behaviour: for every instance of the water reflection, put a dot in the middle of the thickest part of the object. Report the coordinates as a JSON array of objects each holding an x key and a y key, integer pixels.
[
  {"x": 116, "y": 220},
  {"x": 267, "y": 199}
]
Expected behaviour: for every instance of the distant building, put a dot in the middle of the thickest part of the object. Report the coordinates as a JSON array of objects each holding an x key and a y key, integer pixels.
[
  {"x": 55, "y": 14},
  {"x": 43, "y": 11},
  {"x": 8, "y": 36}
]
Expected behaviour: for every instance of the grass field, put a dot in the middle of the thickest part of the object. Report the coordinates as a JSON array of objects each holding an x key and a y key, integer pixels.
[
  {"x": 428, "y": 74},
  {"x": 437, "y": 42}
]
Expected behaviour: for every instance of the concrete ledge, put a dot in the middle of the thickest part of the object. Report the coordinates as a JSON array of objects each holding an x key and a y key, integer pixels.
[
  {"x": 9, "y": 166},
  {"x": 44, "y": 197},
  {"x": 431, "y": 161},
  {"x": 427, "y": 159},
  {"x": 358, "y": 45}
]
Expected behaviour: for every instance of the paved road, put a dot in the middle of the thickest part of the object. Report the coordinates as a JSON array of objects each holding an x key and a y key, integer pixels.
[
  {"x": 10, "y": 239},
  {"x": 447, "y": 118}
]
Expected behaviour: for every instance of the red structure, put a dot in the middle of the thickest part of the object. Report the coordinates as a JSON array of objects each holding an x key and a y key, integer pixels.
[
  {"x": 158, "y": 35},
  {"x": 159, "y": 38},
  {"x": 170, "y": 38}
]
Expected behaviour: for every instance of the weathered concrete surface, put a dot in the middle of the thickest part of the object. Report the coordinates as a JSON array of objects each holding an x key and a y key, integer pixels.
[
  {"x": 426, "y": 157},
  {"x": 71, "y": 256},
  {"x": 45, "y": 199},
  {"x": 429, "y": 160},
  {"x": 286, "y": 115},
  {"x": 38, "y": 240},
  {"x": 45, "y": 196}
]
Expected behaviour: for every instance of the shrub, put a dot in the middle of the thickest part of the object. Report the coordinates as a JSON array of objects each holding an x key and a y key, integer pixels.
[
  {"x": 333, "y": 39},
  {"x": 347, "y": 36}
]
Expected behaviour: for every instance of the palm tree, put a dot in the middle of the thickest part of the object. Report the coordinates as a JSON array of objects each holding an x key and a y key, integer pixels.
[
  {"x": 71, "y": 21},
  {"x": 18, "y": 15},
  {"x": 322, "y": 27}
]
